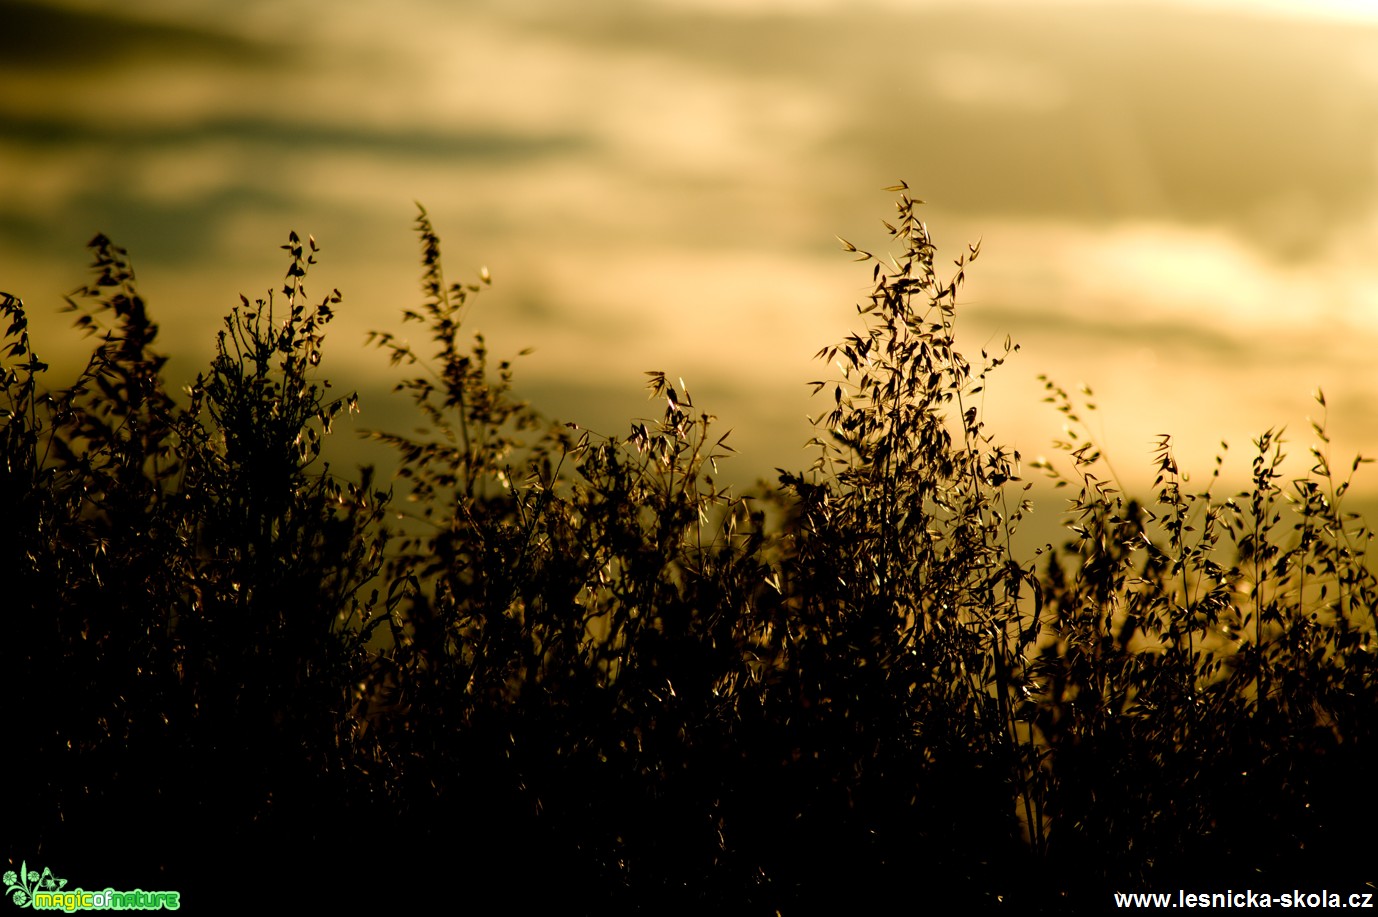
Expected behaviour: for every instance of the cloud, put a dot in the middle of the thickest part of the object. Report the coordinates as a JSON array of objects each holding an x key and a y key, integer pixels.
[{"x": 62, "y": 37}]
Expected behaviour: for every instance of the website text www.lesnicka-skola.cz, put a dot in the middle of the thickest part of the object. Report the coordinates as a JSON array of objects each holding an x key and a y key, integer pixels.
[{"x": 1233, "y": 899}]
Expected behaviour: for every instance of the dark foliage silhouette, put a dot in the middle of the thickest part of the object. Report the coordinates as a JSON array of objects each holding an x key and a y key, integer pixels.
[{"x": 576, "y": 669}]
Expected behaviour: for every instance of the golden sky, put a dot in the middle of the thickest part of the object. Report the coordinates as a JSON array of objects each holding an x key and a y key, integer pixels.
[{"x": 1177, "y": 202}]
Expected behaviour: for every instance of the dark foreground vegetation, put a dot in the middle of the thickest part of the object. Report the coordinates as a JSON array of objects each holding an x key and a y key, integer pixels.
[{"x": 578, "y": 673}]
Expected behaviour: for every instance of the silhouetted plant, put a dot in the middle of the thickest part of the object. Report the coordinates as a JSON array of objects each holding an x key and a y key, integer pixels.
[
  {"x": 273, "y": 628},
  {"x": 1192, "y": 695},
  {"x": 182, "y": 584},
  {"x": 906, "y": 600}
]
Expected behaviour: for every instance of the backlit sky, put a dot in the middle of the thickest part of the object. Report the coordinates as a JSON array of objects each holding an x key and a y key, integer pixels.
[{"x": 1177, "y": 202}]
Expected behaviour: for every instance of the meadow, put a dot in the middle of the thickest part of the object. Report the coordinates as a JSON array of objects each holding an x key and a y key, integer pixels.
[{"x": 574, "y": 669}]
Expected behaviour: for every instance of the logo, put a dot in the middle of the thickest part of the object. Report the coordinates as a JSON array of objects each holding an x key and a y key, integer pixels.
[{"x": 46, "y": 892}]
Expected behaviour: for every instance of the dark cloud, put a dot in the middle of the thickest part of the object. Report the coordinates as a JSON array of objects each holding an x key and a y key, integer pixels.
[
  {"x": 166, "y": 232},
  {"x": 299, "y": 136},
  {"x": 1093, "y": 324},
  {"x": 181, "y": 229},
  {"x": 45, "y": 36}
]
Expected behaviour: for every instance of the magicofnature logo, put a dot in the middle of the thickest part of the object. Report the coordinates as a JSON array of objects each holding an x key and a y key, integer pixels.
[{"x": 44, "y": 891}]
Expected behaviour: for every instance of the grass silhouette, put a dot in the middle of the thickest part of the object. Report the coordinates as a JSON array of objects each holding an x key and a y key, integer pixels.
[{"x": 582, "y": 672}]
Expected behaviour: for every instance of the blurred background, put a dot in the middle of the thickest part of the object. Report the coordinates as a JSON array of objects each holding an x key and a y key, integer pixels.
[{"x": 1177, "y": 202}]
